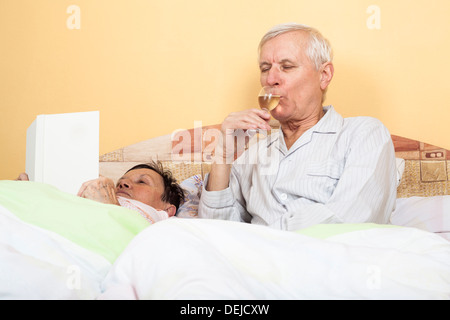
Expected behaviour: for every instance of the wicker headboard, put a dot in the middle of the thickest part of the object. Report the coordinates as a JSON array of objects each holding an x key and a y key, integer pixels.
[{"x": 427, "y": 167}]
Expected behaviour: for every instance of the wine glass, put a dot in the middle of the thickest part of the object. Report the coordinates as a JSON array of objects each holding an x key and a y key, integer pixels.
[{"x": 268, "y": 98}]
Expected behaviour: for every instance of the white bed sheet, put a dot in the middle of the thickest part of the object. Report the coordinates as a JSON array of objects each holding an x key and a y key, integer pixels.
[
  {"x": 211, "y": 259},
  {"x": 39, "y": 264},
  {"x": 206, "y": 259}
]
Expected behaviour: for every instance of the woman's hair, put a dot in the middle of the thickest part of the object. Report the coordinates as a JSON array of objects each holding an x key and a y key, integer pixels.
[
  {"x": 173, "y": 193},
  {"x": 319, "y": 49}
]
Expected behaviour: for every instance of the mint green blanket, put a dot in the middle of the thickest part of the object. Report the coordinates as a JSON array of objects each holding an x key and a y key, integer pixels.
[
  {"x": 101, "y": 228},
  {"x": 324, "y": 231}
]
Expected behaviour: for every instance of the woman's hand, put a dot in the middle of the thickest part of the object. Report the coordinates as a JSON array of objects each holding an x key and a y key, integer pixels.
[
  {"x": 100, "y": 190},
  {"x": 23, "y": 177}
]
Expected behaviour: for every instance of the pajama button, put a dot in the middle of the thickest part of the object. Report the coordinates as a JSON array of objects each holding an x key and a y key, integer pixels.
[{"x": 283, "y": 196}]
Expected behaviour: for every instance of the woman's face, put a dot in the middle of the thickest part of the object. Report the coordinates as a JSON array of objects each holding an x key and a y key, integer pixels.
[{"x": 144, "y": 185}]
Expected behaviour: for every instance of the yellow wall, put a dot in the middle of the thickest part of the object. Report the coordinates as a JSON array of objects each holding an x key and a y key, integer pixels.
[{"x": 153, "y": 66}]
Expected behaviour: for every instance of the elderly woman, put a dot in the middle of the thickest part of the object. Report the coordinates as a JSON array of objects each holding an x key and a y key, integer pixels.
[
  {"x": 320, "y": 167},
  {"x": 146, "y": 188}
]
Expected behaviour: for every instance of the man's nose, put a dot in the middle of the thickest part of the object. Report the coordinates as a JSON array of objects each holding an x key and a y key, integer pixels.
[{"x": 273, "y": 77}]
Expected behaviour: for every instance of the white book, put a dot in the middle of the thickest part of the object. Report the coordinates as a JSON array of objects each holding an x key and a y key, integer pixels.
[{"x": 63, "y": 149}]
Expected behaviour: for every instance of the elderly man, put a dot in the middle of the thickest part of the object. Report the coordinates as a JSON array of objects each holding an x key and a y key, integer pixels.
[{"x": 320, "y": 167}]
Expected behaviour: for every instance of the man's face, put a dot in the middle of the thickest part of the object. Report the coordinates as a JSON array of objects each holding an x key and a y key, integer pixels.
[
  {"x": 144, "y": 185},
  {"x": 284, "y": 64}
]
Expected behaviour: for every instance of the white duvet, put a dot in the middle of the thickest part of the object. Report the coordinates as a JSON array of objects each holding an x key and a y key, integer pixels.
[
  {"x": 210, "y": 259},
  {"x": 39, "y": 264}
]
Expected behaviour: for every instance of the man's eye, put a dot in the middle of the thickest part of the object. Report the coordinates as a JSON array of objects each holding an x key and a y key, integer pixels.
[
  {"x": 287, "y": 67},
  {"x": 264, "y": 67}
]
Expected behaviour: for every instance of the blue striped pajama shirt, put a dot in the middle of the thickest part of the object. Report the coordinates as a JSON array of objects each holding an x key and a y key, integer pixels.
[{"x": 342, "y": 170}]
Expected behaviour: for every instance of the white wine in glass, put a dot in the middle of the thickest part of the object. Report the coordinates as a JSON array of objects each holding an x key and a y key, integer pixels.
[{"x": 268, "y": 99}]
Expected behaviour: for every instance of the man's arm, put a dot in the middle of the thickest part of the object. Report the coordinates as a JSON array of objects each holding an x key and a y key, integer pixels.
[
  {"x": 226, "y": 204},
  {"x": 252, "y": 119},
  {"x": 222, "y": 197}
]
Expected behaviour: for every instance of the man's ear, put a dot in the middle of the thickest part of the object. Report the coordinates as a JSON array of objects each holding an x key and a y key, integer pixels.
[
  {"x": 326, "y": 74},
  {"x": 171, "y": 210}
]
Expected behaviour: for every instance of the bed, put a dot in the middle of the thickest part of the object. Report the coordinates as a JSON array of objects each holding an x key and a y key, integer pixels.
[{"x": 55, "y": 245}]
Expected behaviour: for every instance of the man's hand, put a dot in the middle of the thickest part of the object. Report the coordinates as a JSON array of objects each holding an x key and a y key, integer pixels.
[
  {"x": 247, "y": 120},
  {"x": 101, "y": 190}
]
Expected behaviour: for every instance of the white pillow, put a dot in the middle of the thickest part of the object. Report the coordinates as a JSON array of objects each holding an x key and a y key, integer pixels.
[
  {"x": 427, "y": 213},
  {"x": 192, "y": 187}
]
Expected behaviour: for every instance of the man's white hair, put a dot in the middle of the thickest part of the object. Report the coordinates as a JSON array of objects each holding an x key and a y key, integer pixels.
[{"x": 319, "y": 49}]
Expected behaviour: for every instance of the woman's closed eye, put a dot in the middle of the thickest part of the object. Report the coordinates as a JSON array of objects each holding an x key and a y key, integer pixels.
[{"x": 145, "y": 180}]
